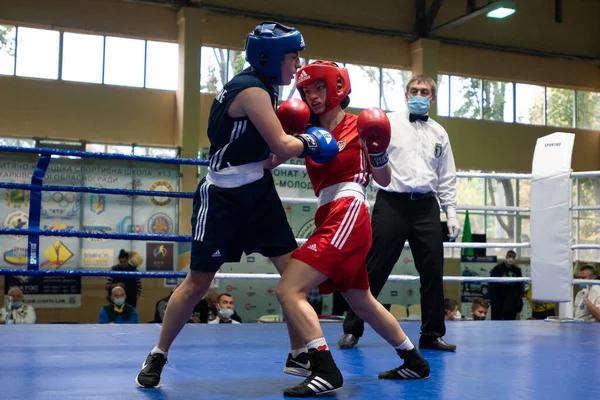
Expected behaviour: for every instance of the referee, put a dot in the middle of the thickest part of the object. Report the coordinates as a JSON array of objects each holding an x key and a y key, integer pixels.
[{"x": 407, "y": 209}]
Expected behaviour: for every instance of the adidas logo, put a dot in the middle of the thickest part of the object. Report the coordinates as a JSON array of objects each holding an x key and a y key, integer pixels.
[
  {"x": 217, "y": 253},
  {"x": 313, "y": 247},
  {"x": 303, "y": 77}
]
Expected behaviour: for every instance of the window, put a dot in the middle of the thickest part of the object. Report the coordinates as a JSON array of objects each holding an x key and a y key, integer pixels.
[
  {"x": 37, "y": 55},
  {"x": 530, "y": 107},
  {"x": 124, "y": 62},
  {"x": 465, "y": 97},
  {"x": 443, "y": 96},
  {"x": 365, "y": 82},
  {"x": 8, "y": 34},
  {"x": 162, "y": 65},
  {"x": 393, "y": 86},
  {"x": 213, "y": 69},
  {"x": 560, "y": 106},
  {"x": 498, "y": 104},
  {"x": 155, "y": 152},
  {"x": 82, "y": 57},
  {"x": 588, "y": 110}
]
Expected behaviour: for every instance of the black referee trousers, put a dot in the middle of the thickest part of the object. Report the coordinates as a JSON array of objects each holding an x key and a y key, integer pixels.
[{"x": 397, "y": 218}]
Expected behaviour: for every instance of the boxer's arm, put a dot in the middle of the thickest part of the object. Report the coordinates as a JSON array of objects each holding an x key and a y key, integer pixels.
[{"x": 256, "y": 104}]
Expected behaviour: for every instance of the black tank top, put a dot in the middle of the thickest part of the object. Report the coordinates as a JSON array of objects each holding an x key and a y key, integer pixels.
[{"x": 236, "y": 141}]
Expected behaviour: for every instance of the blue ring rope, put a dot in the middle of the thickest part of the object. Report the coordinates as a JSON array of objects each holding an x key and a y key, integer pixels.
[
  {"x": 88, "y": 154},
  {"x": 82, "y": 272},
  {"x": 96, "y": 235},
  {"x": 86, "y": 189}
]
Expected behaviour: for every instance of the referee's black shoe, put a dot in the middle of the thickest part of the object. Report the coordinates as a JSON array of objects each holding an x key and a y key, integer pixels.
[{"x": 435, "y": 344}]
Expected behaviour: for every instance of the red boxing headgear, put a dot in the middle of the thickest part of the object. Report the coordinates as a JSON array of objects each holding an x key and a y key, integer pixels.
[{"x": 336, "y": 80}]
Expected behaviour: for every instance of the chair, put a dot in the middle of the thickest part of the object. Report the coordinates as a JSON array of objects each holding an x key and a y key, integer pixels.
[
  {"x": 399, "y": 311},
  {"x": 414, "y": 312}
]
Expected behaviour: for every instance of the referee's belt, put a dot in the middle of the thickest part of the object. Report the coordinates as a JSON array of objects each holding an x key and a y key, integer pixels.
[{"x": 415, "y": 195}]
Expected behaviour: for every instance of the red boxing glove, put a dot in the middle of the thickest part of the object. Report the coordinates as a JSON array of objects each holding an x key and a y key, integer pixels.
[
  {"x": 374, "y": 129},
  {"x": 294, "y": 115}
]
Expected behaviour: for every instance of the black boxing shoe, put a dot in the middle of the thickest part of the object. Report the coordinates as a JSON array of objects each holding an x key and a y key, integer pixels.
[
  {"x": 325, "y": 377},
  {"x": 414, "y": 367},
  {"x": 299, "y": 366}
]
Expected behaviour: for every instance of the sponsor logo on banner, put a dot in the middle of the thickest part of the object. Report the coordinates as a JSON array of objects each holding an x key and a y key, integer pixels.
[
  {"x": 17, "y": 198},
  {"x": 306, "y": 208},
  {"x": 126, "y": 226},
  {"x": 230, "y": 288},
  {"x": 270, "y": 292},
  {"x": 270, "y": 309},
  {"x": 97, "y": 226},
  {"x": 61, "y": 204},
  {"x": 161, "y": 186},
  {"x": 17, "y": 220},
  {"x": 341, "y": 145},
  {"x": 97, "y": 203},
  {"x": 57, "y": 226},
  {"x": 136, "y": 184},
  {"x": 249, "y": 306},
  {"x": 47, "y": 291},
  {"x": 16, "y": 256},
  {"x": 160, "y": 223},
  {"x": 57, "y": 254},
  {"x": 97, "y": 258},
  {"x": 250, "y": 292},
  {"x": 159, "y": 256},
  {"x": 307, "y": 229}
]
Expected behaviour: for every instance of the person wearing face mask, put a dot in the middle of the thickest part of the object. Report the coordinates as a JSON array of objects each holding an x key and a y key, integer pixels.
[
  {"x": 479, "y": 309},
  {"x": 225, "y": 308},
  {"x": 423, "y": 173},
  {"x": 586, "y": 306},
  {"x": 15, "y": 311},
  {"x": 117, "y": 311},
  {"x": 452, "y": 313},
  {"x": 506, "y": 298}
]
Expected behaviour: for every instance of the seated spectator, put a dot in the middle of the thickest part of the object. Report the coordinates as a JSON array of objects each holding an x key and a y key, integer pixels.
[
  {"x": 452, "y": 313},
  {"x": 315, "y": 299},
  {"x": 479, "y": 309},
  {"x": 117, "y": 311},
  {"x": 206, "y": 310},
  {"x": 540, "y": 310},
  {"x": 225, "y": 307},
  {"x": 133, "y": 286},
  {"x": 586, "y": 306},
  {"x": 18, "y": 312}
]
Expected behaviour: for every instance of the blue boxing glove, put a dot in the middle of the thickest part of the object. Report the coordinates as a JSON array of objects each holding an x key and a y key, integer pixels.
[{"x": 319, "y": 145}]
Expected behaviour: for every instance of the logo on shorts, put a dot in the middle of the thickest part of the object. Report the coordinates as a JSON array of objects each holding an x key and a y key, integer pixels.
[
  {"x": 303, "y": 77},
  {"x": 438, "y": 150},
  {"x": 312, "y": 247},
  {"x": 216, "y": 254},
  {"x": 160, "y": 224},
  {"x": 161, "y": 186},
  {"x": 341, "y": 145}
]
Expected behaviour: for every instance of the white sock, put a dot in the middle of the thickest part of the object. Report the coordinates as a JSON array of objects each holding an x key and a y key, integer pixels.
[
  {"x": 156, "y": 350},
  {"x": 296, "y": 352},
  {"x": 405, "y": 346},
  {"x": 318, "y": 344}
]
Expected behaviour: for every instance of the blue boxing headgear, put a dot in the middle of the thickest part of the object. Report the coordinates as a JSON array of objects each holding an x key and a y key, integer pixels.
[{"x": 267, "y": 45}]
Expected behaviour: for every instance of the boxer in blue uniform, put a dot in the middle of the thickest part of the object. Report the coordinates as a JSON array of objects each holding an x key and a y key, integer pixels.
[{"x": 236, "y": 207}]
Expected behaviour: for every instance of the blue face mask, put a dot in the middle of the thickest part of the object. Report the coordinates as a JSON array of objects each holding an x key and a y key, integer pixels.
[
  {"x": 17, "y": 304},
  {"x": 119, "y": 302},
  {"x": 418, "y": 105}
]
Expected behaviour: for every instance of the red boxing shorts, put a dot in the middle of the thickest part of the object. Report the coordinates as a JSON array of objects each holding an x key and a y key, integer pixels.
[{"x": 339, "y": 245}]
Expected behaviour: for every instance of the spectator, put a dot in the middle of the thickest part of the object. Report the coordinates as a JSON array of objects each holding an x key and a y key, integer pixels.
[
  {"x": 586, "y": 306},
  {"x": 479, "y": 309},
  {"x": 18, "y": 311},
  {"x": 507, "y": 298},
  {"x": 133, "y": 286},
  {"x": 117, "y": 311},
  {"x": 451, "y": 313},
  {"x": 225, "y": 307}
]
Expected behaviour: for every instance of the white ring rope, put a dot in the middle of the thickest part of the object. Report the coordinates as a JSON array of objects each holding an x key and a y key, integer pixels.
[
  {"x": 465, "y": 245},
  {"x": 585, "y": 174}
]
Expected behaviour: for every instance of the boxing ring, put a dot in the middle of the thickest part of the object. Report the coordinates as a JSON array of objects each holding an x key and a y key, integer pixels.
[{"x": 494, "y": 360}]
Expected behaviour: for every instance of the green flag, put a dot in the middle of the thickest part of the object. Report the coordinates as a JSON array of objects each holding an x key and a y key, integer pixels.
[{"x": 467, "y": 237}]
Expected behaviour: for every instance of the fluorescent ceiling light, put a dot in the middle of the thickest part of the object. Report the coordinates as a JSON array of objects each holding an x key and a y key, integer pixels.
[{"x": 501, "y": 12}]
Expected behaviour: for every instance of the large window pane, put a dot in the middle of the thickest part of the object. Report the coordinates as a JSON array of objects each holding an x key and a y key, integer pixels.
[
  {"x": 82, "y": 57},
  {"x": 394, "y": 86},
  {"x": 443, "y": 96},
  {"x": 124, "y": 62},
  {"x": 465, "y": 97},
  {"x": 8, "y": 34},
  {"x": 588, "y": 110},
  {"x": 476, "y": 219},
  {"x": 560, "y": 107},
  {"x": 365, "y": 86},
  {"x": 470, "y": 191},
  {"x": 530, "y": 104},
  {"x": 37, "y": 55},
  {"x": 162, "y": 65},
  {"x": 498, "y": 104},
  {"x": 213, "y": 69}
]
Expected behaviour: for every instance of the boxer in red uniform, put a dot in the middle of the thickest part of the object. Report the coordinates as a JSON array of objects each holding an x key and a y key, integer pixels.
[{"x": 334, "y": 257}]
